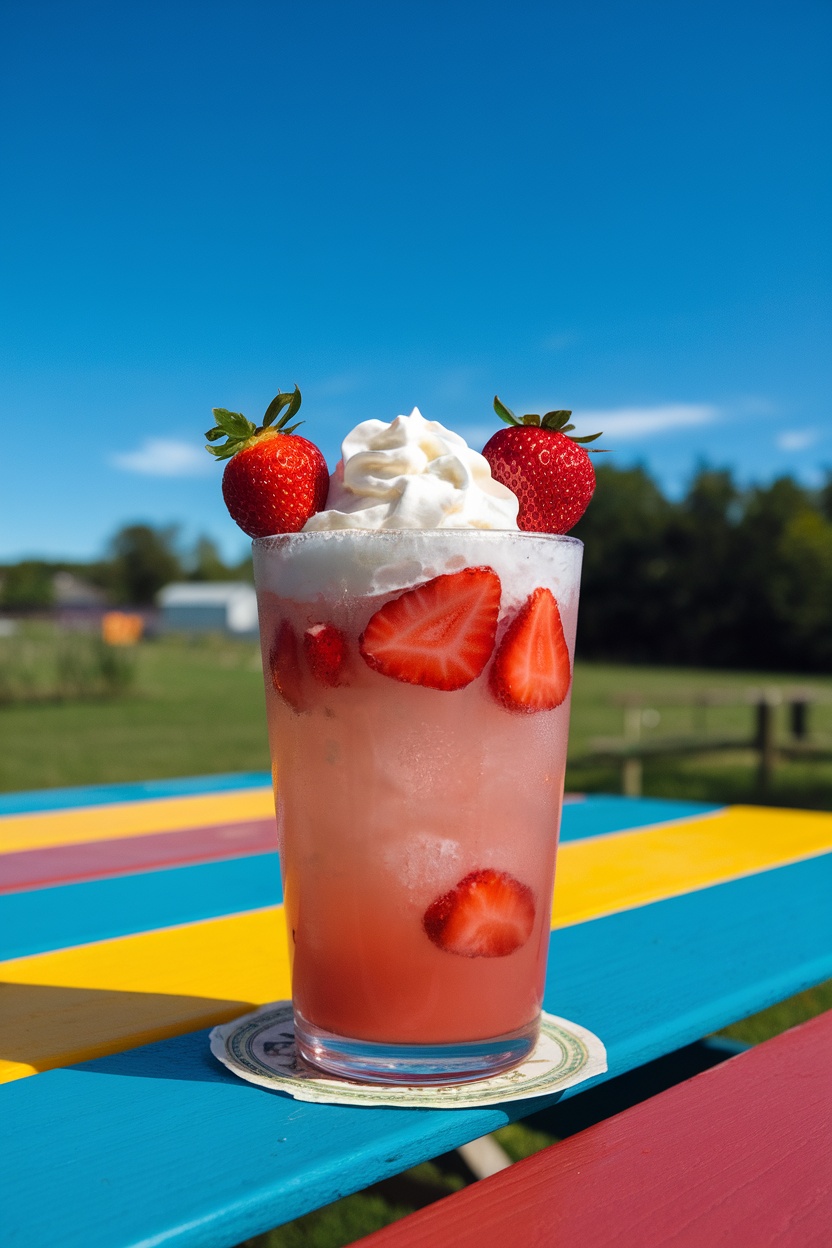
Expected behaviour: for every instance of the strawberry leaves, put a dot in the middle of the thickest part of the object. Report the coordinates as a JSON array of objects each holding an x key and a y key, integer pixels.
[
  {"x": 591, "y": 438},
  {"x": 555, "y": 420},
  {"x": 505, "y": 413},
  {"x": 291, "y": 402},
  {"x": 238, "y": 430},
  {"x": 230, "y": 425}
]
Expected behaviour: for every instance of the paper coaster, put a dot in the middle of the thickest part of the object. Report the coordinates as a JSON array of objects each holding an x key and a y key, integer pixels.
[{"x": 260, "y": 1048}]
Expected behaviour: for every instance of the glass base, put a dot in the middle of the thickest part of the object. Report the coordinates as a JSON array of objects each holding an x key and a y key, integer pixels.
[{"x": 365, "y": 1061}]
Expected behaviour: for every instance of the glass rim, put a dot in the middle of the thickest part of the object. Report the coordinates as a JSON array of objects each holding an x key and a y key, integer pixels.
[{"x": 273, "y": 540}]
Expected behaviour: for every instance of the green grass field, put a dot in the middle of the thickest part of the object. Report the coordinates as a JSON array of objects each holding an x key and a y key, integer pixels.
[
  {"x": 678, "y": 698},
  {"x": 196, "y": 708}
]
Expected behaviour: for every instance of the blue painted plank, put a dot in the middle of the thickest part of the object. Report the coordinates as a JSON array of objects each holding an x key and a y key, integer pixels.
[
  {"x": 601, "y": 814},
  {"x": 583, "y": 816},
  {"x": 74, "y": 914},
  {"x": 161, "y": 1145},
  {"x": 40, "y": 919},
  {"x": 144, "y": 791}
]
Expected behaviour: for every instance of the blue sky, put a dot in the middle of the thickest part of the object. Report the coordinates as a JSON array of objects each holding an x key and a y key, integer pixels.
[{"x": 618, "y": 208}]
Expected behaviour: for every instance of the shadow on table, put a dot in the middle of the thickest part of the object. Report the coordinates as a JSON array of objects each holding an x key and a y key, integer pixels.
[{"x": 44, "y": 1026}]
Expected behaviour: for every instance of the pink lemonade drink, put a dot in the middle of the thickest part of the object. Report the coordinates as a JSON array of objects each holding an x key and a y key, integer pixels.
[{"x": 418, "y": 686}]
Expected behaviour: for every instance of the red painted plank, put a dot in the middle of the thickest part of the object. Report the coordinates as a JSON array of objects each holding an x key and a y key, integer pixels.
[
  {"x": 67, "y": 864},
  {"x": 739, "y": 1156},
  {"x": 64, "y": 864}
]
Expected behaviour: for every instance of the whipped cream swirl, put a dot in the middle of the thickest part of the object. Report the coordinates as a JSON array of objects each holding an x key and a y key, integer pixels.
[{"x": 412, "y": 474}]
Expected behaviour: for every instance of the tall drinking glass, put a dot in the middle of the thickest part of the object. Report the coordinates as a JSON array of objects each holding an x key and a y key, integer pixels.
[{"x": 401, "y": 809}]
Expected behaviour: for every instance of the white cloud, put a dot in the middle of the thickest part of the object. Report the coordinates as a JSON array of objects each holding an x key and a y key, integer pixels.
[
  {"x": 164, "y": 457},
  {"x": 621, "y": 423},
  {"x": 638, "y": 422},
  {"x": 797, "y": 439}
]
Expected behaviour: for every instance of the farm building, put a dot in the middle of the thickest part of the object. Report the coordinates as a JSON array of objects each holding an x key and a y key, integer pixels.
[{"x": 209, "y": 607}]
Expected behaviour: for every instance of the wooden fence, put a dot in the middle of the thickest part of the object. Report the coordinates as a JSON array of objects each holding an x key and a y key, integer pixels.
[{"x": 632, "y": 749}]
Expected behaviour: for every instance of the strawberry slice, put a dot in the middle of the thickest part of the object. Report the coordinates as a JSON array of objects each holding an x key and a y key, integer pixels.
[
  {"x": 532, "y": 671},
  {"x": 284, "y": 665},
  {"x": 326, "y": 653},
  {"x": 440, "y": 634},
  {"x": 488, "y": 914}
]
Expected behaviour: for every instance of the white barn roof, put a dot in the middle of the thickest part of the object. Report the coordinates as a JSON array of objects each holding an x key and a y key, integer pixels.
[
  {"x": 204, "y": 593},
  {"x": 205, "y": 606}
]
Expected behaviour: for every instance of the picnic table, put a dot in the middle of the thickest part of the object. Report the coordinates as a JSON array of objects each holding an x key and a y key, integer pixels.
[{"x": 135, "y": 917}]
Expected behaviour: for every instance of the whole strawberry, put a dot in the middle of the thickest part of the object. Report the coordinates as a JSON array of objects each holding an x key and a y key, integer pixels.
[
  {"x": 540, "y": 462},
  {"x": 274, "y": 481}
]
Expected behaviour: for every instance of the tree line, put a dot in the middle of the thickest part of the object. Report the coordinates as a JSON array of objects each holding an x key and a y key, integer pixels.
[
  {"x": 724, "y": 576},
  {"x": 138, "y": 562}
]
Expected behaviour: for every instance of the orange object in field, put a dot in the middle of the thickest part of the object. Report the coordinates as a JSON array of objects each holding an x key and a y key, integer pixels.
[{"x": 120, "y": 628}]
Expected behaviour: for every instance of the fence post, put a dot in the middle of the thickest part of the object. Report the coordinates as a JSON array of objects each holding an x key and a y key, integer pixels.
[
  {"x": 765, "y": 737},
  {"x": 631, "y": 777},
  {"x": 799, "y": 718},
  {"x": 632, "y": 722}
]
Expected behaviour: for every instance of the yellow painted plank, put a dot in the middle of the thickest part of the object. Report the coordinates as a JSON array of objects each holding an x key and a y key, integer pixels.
[
  {"x": 79, "y": 1003},
  {"x": 75, "y": 1004},
  {"x": 607, "y": 874},
  {"x": 104, "y": 823}
]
